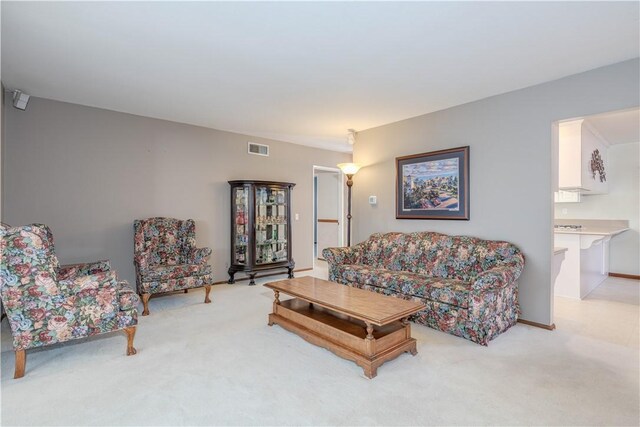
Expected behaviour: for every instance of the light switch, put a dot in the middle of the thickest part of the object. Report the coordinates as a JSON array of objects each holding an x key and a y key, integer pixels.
[{"x": 373, "y": 200}]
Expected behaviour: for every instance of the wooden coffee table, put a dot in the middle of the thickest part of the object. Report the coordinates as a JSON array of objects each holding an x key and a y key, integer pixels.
[{"x": 355, "y": 324}]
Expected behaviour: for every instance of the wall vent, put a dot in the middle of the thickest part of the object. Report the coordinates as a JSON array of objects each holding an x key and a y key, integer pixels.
[{"x": 258, "y": 149}]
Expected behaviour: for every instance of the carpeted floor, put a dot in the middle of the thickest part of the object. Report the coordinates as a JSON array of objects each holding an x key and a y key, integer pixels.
[{"x": 220, "y": 364}]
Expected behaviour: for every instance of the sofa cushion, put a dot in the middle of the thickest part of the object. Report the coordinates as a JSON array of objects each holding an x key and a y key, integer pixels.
[
  {"x": 166, "y": 272},
  {"x": 449, "y": 291}
]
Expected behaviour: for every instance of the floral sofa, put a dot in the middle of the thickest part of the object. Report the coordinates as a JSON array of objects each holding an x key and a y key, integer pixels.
[
  {"x": 469, "y": 285},
  {"x": 166, "y": 258},
  {"x": 47, "y": 303}
]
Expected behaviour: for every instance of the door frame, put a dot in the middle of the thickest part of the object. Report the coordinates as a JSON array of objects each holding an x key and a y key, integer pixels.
[{"x": 340, "y": 192}]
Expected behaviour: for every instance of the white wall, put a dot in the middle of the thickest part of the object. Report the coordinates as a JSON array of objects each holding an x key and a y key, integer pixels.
[
  {"x": 622, "y": 202},
  {"x": 88, "y": 173},
  {"x": 510, "y": 166}
]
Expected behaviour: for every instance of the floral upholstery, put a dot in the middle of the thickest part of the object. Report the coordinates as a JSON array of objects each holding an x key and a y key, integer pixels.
[
  {"x": 71, "y": 270},
  {"x": 166, "y": 257},
  {"x": 468, "y": 284},
  {"x": 46, "y": 303},
  {"x": 450, "y": 291},
  {"x": 166, "y": 272}
]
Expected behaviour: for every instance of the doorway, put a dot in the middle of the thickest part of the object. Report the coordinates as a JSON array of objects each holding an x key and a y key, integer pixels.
[
  {"x": 596, "y": 216},
  {"x": 327, "y": 209}
]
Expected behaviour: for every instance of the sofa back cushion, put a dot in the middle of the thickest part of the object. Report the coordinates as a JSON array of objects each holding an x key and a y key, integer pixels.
[
  {"x": 419, "y": 252},
  {"x": 435, "y": 254}
]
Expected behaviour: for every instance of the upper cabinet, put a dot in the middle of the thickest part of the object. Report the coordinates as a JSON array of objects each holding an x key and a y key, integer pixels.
[{"x": 582, "y": 159}]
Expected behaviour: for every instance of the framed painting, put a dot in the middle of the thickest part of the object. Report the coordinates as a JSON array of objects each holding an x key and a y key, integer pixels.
[{"x": 433, "y": 185}]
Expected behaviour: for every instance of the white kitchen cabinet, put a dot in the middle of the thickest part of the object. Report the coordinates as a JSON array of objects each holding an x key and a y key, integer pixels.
[
  {"x": 578, "y": 143},
  {"x": 586, "y": 260}
]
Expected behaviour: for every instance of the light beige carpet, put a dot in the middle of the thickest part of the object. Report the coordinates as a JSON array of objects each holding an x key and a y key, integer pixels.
[{"x": 220, "y": 364}]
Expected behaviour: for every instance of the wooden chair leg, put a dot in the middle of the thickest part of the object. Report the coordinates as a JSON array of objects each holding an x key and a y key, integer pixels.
[
  {"x": 131, "y": 332},
  {"x": 21, "y": 361},
  {"x": 186, "y": 291},
  {"x": 145, "y": 303},
  {"x": 207, "y": 289}
]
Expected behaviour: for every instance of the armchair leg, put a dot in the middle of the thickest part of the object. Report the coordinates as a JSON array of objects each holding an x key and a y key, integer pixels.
[
  {"x": 207, "y": 289},
  {"x": 131, "y": 332},
  {"x": 145, "y": 303},
  {"x": 21, "y": 361}
]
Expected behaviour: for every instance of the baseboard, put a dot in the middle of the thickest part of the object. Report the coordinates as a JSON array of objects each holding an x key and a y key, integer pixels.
[
  {"x": 263, "y": 275},
  {"x": 625, "y": 276},
  {"x": 550, "y": 327}
]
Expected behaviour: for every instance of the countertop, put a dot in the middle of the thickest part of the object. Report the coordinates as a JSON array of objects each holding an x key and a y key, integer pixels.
[
  {"x": 594, "y": 227},
  {"x": 596, "y": 231}
]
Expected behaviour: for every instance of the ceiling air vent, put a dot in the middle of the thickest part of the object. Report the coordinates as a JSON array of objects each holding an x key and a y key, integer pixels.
[{"x": 258, "y": 149}]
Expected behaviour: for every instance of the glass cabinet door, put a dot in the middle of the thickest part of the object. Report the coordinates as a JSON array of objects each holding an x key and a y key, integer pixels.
[
  {"x": 271, "y": 225},
  {"x": 241, "y": 231}
]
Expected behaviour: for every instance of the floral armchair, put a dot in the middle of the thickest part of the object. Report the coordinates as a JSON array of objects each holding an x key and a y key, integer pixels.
[
  {"x": 47, "y": 303},
  {"x": 167, "y": 260}
]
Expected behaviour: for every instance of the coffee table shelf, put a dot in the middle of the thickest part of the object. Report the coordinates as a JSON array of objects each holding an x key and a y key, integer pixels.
[{"x": 354, "y": 324}]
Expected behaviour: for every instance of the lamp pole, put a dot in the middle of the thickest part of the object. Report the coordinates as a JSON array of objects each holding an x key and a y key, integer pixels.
[
  {"x": 349, "y": 169},
  {"x": 349, "y": 185}
]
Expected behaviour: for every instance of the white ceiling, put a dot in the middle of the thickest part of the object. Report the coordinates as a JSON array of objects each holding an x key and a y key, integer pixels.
[
  {"x": 620, "y": 127},
  {"x": 302, "y": 72}
]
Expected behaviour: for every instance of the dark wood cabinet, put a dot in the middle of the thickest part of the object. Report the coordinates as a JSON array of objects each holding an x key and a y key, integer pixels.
[{"x": 260, "y": 228}]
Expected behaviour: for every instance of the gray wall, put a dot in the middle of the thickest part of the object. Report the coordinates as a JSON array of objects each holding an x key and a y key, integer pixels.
[
  {"x": 88, "y": 173},
  {"x": 328, "y": 206},
  {"x": 510, "y": 166},
  {"x": 1, "y": 142},
  {"x": 622, "y": 202}
]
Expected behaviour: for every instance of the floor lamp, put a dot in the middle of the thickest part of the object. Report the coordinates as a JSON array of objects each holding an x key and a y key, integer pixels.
[{"x": 349, "y": 169}]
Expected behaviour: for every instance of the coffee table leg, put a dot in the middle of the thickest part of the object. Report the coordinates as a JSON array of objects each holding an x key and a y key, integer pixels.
[
  {"x": 276, "y": 303},
  {"x": 370, "y": 370},
  {"x": 369, "y": 330},
  {"x": 407, "y": 327},
  {"x": 370, "y": 344}
]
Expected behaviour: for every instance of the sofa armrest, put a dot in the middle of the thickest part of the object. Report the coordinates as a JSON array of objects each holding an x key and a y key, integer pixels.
[
  {"x": 345, "y": 255},
  {"x": 198, "y": 255},
  {"x": 497, "y": 278},
  {"x": 70, "y": 271}
]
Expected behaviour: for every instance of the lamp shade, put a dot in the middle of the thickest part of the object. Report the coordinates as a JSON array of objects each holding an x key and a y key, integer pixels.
[{"x": 349, "y": 168}]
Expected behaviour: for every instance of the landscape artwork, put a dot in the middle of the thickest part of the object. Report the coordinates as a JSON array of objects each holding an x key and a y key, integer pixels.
[{"x": 433, "y": 185}]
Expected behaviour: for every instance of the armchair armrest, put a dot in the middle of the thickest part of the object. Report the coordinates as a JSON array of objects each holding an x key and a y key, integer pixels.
[
  {"x": 498, "y": 277},
  {"x": 70, "y": 271},
  {"x": 345, "y": 255},
  {"x": 198, "y": 255},
  {"x": 97, "y": 281}
]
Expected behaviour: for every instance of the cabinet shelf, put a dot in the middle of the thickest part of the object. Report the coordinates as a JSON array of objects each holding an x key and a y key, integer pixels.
[
  {"x": 270, "y": 242},
  {"x": 260, "y": 227}
]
